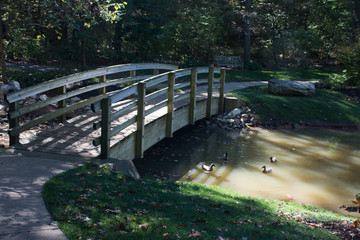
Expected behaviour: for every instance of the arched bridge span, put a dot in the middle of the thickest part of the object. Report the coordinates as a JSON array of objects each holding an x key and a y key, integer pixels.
[{"x": 157, "y": 100}]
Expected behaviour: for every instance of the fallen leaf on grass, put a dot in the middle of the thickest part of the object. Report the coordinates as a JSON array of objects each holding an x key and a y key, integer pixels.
[
  {"x": 166, "y": 235},
  {"x": 194, "y": 234},
  {"x": 144, "y": 226}
]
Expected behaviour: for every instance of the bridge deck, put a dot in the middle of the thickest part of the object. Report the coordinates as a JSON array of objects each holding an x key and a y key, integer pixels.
[{"x": 74, "y": 137}]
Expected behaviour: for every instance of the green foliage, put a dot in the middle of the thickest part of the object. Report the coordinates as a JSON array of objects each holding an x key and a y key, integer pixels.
[
  {"x": 92, "y": 202},
  {"x": 337, "y": 81},
  {"x": 349, "y": 56}
]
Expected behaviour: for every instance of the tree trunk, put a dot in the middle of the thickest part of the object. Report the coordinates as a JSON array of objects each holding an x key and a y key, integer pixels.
[
  {"x": 2, "y": 53},
  {"x": 247, "y": 33}
]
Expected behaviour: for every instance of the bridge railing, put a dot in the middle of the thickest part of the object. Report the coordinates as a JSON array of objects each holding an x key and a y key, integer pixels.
[
  {"x": 58, "y": 89},
  {"x": 180, "y": 85}
]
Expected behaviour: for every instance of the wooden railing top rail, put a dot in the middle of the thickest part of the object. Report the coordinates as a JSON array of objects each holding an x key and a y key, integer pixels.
[
  {"x": 150, "y": 82},
  {"x": 77, "y": 77},
  {"x": 59, "y": 84}
]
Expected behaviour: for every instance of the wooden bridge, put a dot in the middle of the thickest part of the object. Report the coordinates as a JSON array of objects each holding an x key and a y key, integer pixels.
[{"x": 122, "y": 123}]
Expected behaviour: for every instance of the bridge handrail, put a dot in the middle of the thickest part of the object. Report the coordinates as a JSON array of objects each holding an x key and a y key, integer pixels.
[
  {"x": 59, "y": 84},
  {"x": 105, "y": 104}
]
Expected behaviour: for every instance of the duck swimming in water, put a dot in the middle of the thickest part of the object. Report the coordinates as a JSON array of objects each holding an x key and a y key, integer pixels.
[
  {"x": 224, "y": 156},
  {"x": 273, "y": 159},
  {"x": 208, "y": 168},
  {"x": 266, "y": 170}
]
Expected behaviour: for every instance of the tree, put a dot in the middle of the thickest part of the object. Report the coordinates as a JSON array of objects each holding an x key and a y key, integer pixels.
[{"x": 247, "y": 33}]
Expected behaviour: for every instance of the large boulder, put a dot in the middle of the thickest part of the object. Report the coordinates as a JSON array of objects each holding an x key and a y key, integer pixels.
[{"x": 291, "y": 88}]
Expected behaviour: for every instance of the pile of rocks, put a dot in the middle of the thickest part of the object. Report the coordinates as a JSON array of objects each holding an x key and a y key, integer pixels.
[{"x": 238, "y": 118}]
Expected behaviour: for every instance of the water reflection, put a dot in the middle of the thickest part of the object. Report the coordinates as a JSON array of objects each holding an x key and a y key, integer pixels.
[{"x": 315, "y": 167}]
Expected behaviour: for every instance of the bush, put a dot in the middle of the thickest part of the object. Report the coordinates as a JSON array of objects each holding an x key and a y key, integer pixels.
[
  {"x": 350, "y": 58},
  {"x": 337, "y": 81}
]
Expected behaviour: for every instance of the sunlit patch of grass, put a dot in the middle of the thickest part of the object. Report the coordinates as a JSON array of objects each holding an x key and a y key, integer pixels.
[
  {"x": 324, "y": 107},
  {"x": 288, "y": 74},
  {"x": 91, "y": 202}
]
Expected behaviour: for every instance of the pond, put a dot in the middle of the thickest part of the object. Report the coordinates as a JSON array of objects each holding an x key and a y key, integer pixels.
[{"x": 315, "y": 166}]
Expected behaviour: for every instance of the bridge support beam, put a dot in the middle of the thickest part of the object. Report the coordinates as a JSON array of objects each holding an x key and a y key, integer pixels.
[
  {"x": 192, "y": 107},
  {"x": 61, "y": 104},
  {"x": 221, "y": 91},
  {"x": 210, "y": 92},
  {"x": 103, "y": 89},
  {"x": 105, "y": 127},
  {"x": 170, "y": 105},
  {"x": 13, "y": 122},
  {"x": 139, "y": 145}
]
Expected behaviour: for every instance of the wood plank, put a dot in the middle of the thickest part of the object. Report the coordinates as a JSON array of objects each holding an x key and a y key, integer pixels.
[
  {"x": 49, "y": 116},
  {"x": 221, "y": 91},
  {"x": 105, "y": 127},
  {"x": 170, "y": 105},
  {"x": 62, "y": 103},
  {"x": 210, "y": 91},
  {"x": 139, "y": 145},
  {"x": 192, "y": 96},
  {"x": 13, "y": 123},
  {"x": 77, "y": 77}
]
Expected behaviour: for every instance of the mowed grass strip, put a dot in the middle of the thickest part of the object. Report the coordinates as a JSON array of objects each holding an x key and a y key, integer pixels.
[
  {"x": 324, "y": 108},
  {"x": 92, "y": 202},
  {"x": 310, "y": 74}
]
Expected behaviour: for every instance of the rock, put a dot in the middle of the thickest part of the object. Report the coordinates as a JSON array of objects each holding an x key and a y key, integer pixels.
[
  {"x": 43, "y": 97},
  {"x": 291, "y": 88},
  {"x": 231, "y": 103},
  {"x": 74, "y": 100},
  {"x": 233, "y": 113},
  {"x": 11, "y": 86}
]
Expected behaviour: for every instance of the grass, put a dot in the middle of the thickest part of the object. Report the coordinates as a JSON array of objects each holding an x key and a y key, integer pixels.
[
  {"x": 288, "y": 74},
  {"x": 92, "y": 202},
  {"x": 325, "y": 107}
]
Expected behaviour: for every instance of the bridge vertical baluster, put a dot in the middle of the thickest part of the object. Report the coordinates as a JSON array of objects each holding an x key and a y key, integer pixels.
[
  {"x": 221, "y": 91},
  {"x": 192, "y": 96},
  {"x": 139, "y": 147},
  {"x": 209, "y": 92},
  {"x": 105, "y": 127},
  {"x": 103, "y": 89},
  {"x": 13, "y": 122},
  {"x": 170, "y": 105},
  {"x": 155, "y": 71},
  {"x": 62, "y": 103}
]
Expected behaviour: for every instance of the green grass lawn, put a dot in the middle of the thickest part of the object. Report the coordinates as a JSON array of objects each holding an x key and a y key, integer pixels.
[
  {"x": 325, "y": 107},
  {"x": 288, "y": 74},
  {"x": 92, "y": 202}
]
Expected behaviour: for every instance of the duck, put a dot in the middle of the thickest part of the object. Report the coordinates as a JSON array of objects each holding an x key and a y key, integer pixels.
[
  {"x": 224, "y": 156},
  {"x": 208, "y": 168},
  {"x": 266, "y": 170},
  {"x": 273, "y": 159}
]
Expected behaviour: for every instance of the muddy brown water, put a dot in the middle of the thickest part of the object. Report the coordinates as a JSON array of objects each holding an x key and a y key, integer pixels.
[{"x": 315, "y": 166}]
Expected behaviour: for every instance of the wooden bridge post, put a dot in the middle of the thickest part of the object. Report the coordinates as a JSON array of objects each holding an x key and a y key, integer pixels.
[
  {"x": 132, "y": 73},
  {"x": 209, "y": 92},
  {"x": 103, "y": 89},
  {"x": 105, "y": 127},
  {"x": 170, "y": 105},
  {"x": 155, "y": 71},
  {"x": 192, "y": 96},
  {"x": 13, "y": 122},
  {"x": 139, "y": 145},
  {"x": 61, "y": 104},
  {"x": 221, "y": 91}
]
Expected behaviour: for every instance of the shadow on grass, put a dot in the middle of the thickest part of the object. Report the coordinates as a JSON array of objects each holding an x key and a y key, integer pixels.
[{"x": 92, "y": 202}]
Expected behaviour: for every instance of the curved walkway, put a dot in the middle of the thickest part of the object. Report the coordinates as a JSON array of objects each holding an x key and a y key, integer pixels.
[{"x": 23, "y": 214}]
